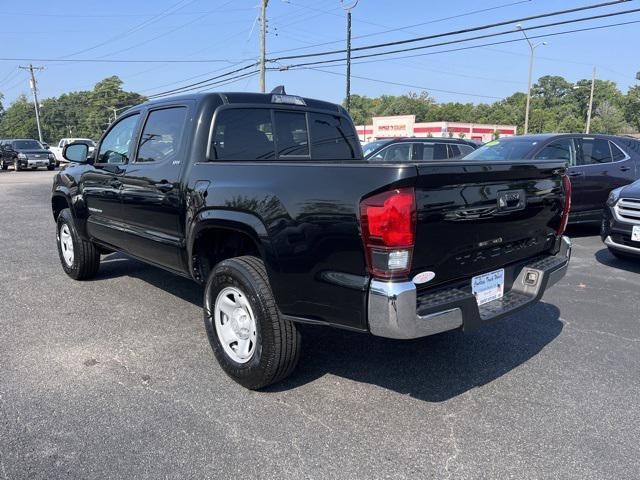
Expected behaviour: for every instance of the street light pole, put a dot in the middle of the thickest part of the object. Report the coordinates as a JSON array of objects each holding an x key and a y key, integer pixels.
[
  {"x": 348, "y": 7},
  {"x": 593, "y": 82},
  {"x": 532, "y": 49}
]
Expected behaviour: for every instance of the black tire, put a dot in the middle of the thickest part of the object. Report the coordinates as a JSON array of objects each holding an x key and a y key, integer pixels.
[
  {"x": 86, "y": 258},
  {"x": 278, "y": 341},
  {"x": 5, "y": 165},
  {"x": 16, "y": 165},
  {"x": 50, "y": 167},
  {"x": 623, "y": 255}
]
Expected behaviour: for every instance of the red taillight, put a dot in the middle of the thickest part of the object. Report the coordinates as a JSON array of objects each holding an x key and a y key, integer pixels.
[
  {"x": 388, "y": 223},
  {"x": 566, "y": 186}
]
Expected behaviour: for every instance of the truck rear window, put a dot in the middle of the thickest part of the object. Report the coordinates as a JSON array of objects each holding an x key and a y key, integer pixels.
[{"x": 249, "y": 134}]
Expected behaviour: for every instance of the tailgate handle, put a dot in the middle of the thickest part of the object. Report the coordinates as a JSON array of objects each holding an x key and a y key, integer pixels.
[{"x": 511, "y": 200}]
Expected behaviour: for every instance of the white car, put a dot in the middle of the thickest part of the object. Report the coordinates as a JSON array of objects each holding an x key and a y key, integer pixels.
[{"x": 57, "y": 151}]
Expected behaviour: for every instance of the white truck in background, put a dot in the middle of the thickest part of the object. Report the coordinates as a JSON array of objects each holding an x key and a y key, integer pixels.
[{"x": 57, "y": 151}]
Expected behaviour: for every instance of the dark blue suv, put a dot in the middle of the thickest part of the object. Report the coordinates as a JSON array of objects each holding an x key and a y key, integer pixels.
[{"x": 597, "y": 164}]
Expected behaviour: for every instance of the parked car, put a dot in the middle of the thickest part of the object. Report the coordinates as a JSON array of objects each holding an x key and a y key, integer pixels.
[
  {"x": 267, "y": 201},
  {"x": 597, "y": 164},
  {"x": 417, "y": 149},
  {"x": 57, "y": 151},
  {"x": 620, "y": 230},
  {"x": 26, "y": 153}
]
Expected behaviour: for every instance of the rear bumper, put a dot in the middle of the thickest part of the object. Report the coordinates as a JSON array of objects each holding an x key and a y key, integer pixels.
[{"x": 398, "y": 310}]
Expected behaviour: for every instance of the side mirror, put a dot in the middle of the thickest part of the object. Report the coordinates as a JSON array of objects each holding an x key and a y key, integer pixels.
[{"x": 76, "y": 152}]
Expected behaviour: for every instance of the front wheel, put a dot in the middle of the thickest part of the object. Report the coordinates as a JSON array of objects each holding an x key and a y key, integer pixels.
[
  {"x": 80, "y": 258},
  {"x": 50, "y": 167},
  {"x": 16, "y": 165},
  {"x": 5, "y": 165},
  {"x": 253, "y": 344}
]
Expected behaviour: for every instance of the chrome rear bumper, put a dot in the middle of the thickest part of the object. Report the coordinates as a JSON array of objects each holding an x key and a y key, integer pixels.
[{"x": 397, "y": 310}]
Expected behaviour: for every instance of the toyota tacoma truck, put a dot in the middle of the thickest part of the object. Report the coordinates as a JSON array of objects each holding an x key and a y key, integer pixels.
[{"x": 266, "y": 200}]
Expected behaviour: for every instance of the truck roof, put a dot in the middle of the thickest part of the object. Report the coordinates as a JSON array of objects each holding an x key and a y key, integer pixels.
[{"x": 245, "y": 98}]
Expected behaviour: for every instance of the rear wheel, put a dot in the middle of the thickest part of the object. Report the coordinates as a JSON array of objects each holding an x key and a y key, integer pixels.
[
  {"x": 80, "y": 259},
  {"x": 5, "y": 165},
  {"x": 253, "y": 344}
]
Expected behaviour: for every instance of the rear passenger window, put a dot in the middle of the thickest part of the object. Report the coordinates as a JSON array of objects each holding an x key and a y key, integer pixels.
[
  {"x": 292, "y": 137},
  {"x": 332, "y": 138},
  {"x": 595, "y": 151},
  {"x": 434, "y": 151},
  {"x": 616, "y": 153},
  {"x": 162, "y": 135},
  {"x": 243, "y": 134},
  {"x": 559, "y": 150}
]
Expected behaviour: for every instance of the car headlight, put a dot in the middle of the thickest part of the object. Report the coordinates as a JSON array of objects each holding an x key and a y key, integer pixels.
[
  {"x": 613, "y": 197},
  {"x": 22, "y": 156}
]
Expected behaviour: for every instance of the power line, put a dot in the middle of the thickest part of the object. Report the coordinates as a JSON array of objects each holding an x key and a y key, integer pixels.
[
  {"x": 308, "y": 64},
  {"x": 387, "y": 82},
  {"x": 207, "y": 85},
  {"x": 203, "y": 82},
  {"x": 166, "y": 32},
  {"x": 109, "y": 60},
  {"x": 473, "y": 12},
  {"x": 462, "y": 40},
  {"x": 164, "y": 13},
  {"x": 456, "y": 32},
  {"x": 116, "y": 15}
]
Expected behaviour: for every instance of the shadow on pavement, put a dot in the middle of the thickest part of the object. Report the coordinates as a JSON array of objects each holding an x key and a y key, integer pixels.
[
  {"x": 583, "y": 230},
  {"x": 605, "y": 257},
  {"x": 433, "y": 369},
  {"x": 119, "y": 265}
]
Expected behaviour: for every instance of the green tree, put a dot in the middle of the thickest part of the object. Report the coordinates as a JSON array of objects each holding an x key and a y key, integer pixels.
[{"x": 19, "y": 120}]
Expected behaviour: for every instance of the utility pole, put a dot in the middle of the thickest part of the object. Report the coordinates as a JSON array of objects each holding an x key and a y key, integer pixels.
[
  {"x": 263, "y": 47},
  {"x": 593, "y": 83},
  {"x": 532, "y": 49},
  {"x": 34, "y": 90},
  {"x": 348, "y": 7}
]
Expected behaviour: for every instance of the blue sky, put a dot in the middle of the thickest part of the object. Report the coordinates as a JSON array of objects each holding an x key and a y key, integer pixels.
[{"x": 228, "y": 31}]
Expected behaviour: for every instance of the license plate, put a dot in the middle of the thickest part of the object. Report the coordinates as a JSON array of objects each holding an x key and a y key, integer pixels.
[
  {"x": 488, "y": 286},
  {"x": 635, "y": 234}
]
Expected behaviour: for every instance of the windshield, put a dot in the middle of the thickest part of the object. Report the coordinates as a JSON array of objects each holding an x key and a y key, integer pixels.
[
  {"x": 504, "y": 149},
  {"x": 26, "y": 145},
  {"x": 371, "y": 146}
]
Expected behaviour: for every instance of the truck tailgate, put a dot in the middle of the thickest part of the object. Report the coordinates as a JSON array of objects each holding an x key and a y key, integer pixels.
[{"x": 477, "y": 217}]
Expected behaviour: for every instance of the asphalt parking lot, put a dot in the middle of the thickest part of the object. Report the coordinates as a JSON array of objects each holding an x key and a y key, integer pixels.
[{"x": 114, "y": 378}]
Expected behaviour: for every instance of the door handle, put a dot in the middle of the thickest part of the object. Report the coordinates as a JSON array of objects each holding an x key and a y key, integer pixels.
[
  {"x": 164, "y": 186},
  {"x": 116, "y": 183},
  {"x": 575, "y": 174},
  {"x": 625, "y": 169}
]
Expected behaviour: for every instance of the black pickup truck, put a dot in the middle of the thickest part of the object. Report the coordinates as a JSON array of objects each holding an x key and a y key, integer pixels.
[{"x": 266, "y": 200}]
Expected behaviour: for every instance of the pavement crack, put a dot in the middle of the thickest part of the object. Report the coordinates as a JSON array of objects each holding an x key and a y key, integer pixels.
[
  {"x": 453, "y": 441},
  {"x": 599, "y": 332}
]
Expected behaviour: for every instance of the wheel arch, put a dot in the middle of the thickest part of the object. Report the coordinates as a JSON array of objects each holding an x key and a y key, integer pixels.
[
  {"x": 59, "y": 202},
  {"x": 217, "y": 235}
]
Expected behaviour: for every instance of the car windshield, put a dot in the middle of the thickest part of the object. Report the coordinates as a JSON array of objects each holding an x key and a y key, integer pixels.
[
  {"x": 371, "y": 146},
  {"x": 26, "y": 145},
  {"x": 503, "y": 150}
]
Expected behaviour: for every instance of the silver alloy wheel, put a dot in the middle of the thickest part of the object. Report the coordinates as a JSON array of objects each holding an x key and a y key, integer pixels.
[
  {"x": 235, "y": 324},
  {"x": 66, "y": 244}
]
